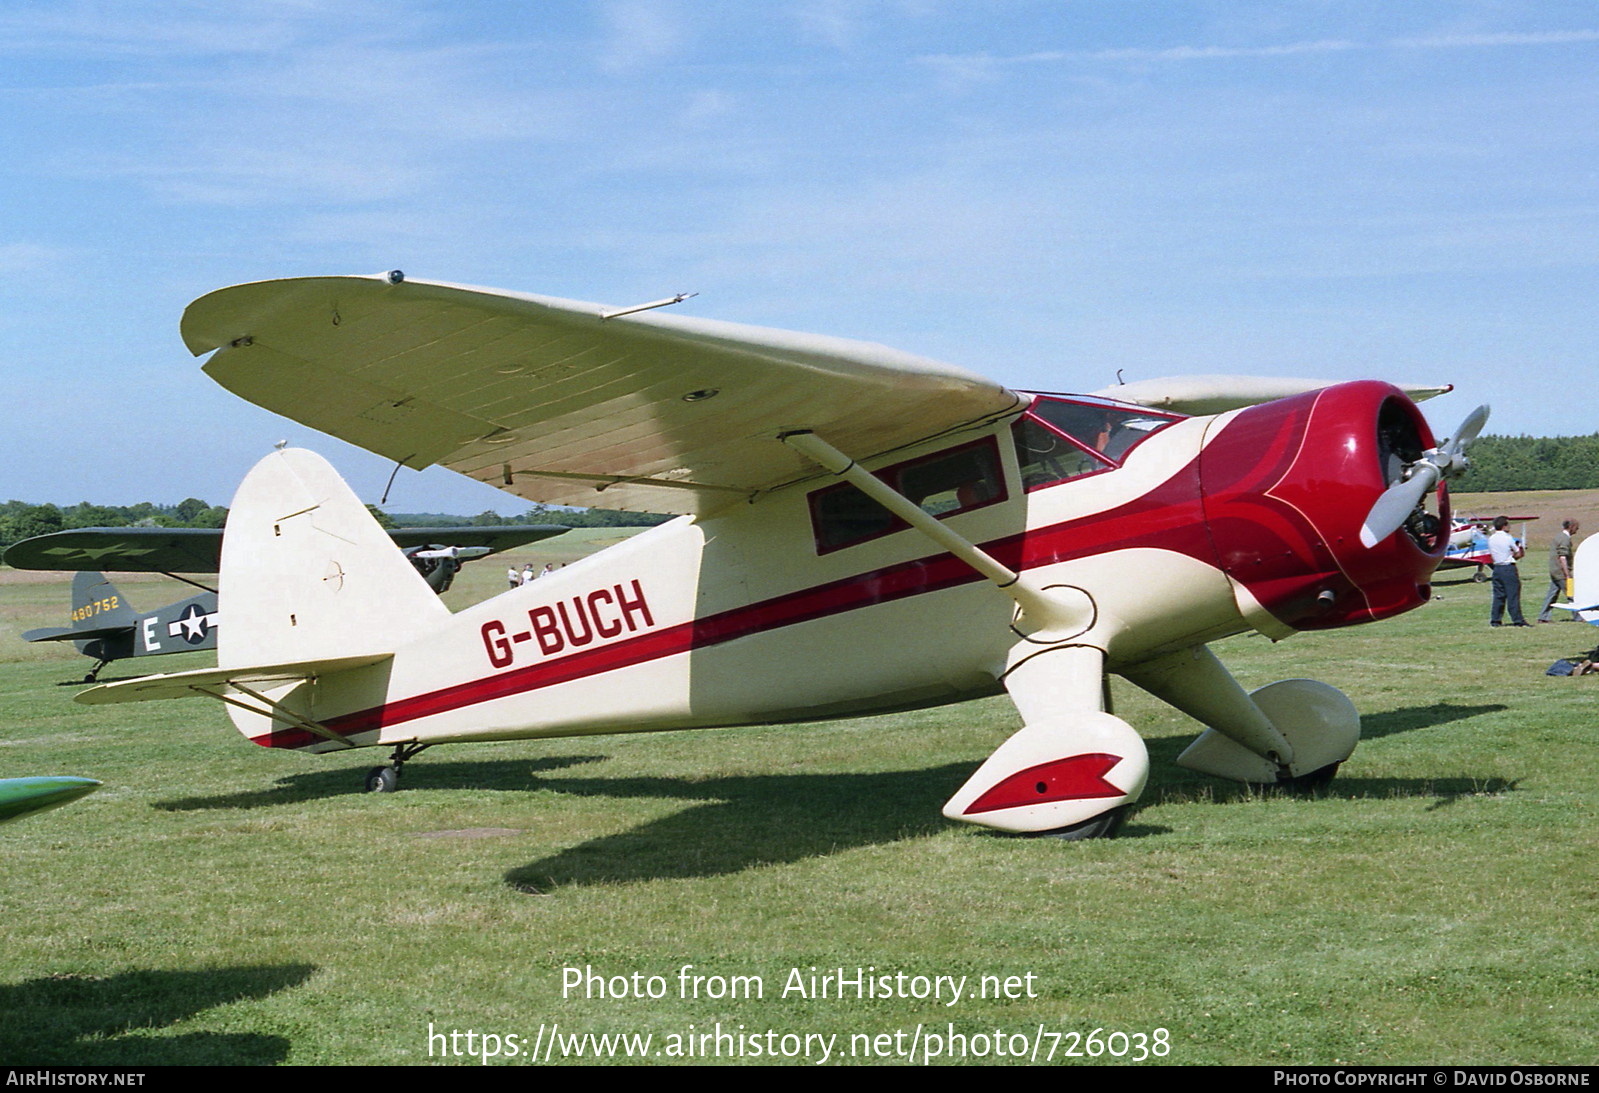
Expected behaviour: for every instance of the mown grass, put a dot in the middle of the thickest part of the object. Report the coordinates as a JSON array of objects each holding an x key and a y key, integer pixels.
[{"x": 217, "y": 902}]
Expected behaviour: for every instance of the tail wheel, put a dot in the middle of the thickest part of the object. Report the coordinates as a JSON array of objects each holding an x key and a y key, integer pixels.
[{"x": 382, "y": 780}]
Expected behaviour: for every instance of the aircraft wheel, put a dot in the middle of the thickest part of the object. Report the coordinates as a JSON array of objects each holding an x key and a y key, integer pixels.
[
  {"x": 1103, "y": 826},
  {"x": 382, "y": 780},
  {"x": 1313, "y": 784},
  {"x": 1481, "y": 575}
]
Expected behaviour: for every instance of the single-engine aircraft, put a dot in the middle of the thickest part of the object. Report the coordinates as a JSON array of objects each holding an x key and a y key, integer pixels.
[
  {"x": 860, "y": 530},
  {"x": 1468, "y": 543},
  {"x": 106, "y": 628}
]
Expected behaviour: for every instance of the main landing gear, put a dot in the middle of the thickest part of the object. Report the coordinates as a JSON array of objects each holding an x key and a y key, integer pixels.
[
  {"x": 1314, "y": 783},
  {"x": 386, "y": 779},
  {"x": 1103, "y": 826}
]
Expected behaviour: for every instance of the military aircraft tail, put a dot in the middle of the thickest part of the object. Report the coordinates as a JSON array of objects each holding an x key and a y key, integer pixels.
[
  {"x": 97, "y": 604},
  {"x": 101, "y": 624},
  {"x": 307, "y": 574}
]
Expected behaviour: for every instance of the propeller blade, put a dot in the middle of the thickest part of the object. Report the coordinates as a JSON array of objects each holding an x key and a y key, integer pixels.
[
  {"x": 1398, "y": 501},
  {"x": 1396, "y": 504},
  {"x": 1472, "y": 425},
  {"x": 1467, "y": 432}
]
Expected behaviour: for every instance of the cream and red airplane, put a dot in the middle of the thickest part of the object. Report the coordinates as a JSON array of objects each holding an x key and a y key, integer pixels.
[{"x": 861, "y": 530}]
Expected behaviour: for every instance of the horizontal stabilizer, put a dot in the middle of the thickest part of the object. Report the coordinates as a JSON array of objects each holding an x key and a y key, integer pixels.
[
  {"x": 203, "y": 680},
  {"x": 1218, "y": 394},
  {"x": 68, "y": 633}
]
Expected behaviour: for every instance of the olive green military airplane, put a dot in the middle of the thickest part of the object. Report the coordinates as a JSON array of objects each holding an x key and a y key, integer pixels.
[{"x": 105, "y": 627}]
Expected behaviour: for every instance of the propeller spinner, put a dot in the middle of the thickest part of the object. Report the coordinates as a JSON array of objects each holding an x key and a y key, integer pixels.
[{"x": 1398, "y": 501}]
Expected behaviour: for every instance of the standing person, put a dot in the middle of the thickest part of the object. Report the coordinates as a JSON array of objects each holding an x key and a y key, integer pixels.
[
  {"x": 1504, "y": 550},
  {"x": 1559, "y": 568},
  {"x": 528, "y": 574},
  {"x": 514, "y": 577}
]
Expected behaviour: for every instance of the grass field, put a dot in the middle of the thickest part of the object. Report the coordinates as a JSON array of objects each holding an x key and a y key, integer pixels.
[{"x": 220, "y": 903}]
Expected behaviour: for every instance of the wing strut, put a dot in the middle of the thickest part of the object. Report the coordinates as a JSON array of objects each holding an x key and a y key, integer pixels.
[{"x": 1050, "y": 614}]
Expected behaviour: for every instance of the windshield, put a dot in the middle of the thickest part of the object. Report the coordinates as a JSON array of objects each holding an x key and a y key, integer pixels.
[{"x": 1058, "y": 438}]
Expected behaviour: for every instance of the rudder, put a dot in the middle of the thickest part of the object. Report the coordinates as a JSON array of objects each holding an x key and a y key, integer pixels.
[{"x": 308, "y": 573}]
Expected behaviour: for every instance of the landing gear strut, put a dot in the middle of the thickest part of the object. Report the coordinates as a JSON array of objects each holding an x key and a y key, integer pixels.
[{"x": 386, "y": 779}]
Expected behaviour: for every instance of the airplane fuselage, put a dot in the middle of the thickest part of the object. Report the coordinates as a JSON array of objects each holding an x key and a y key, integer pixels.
[{"x": 805, "y": 603}]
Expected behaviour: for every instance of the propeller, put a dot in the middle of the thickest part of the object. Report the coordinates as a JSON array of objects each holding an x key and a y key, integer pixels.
[{"x": 1398, "y": 501}]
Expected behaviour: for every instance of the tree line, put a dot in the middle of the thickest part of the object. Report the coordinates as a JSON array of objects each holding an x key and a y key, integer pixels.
[
  {"x": 1504, "y": 463},
  {"x": 20, "y": 520}
]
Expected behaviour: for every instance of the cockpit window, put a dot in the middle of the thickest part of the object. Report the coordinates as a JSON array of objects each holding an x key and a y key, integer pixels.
[
  {"x": 940, "y": 484},
  {"x": 1057, "y": 439}
]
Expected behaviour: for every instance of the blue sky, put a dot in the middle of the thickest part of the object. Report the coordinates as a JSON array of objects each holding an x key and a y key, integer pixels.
[{"x": 1045, "y": 192}]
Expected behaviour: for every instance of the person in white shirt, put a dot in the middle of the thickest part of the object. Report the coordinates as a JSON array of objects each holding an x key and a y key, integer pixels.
[{"x": 1504, "y": 550}]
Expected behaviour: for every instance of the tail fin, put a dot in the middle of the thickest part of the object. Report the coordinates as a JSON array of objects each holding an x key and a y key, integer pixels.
[
  {"x": 307, "y": 572},
  {"x": 101, "y": 624},
  {"x": 96, "y": 603}
]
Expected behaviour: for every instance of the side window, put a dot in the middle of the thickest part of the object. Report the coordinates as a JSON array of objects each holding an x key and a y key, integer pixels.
[
  {"x": 942, "y": 484},
  {"x": 842, "y": 515}
]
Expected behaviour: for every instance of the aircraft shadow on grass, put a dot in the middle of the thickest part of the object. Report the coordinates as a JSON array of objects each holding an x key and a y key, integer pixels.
[
  {"x": 107, "y": 1021},
  {"x": 742, "y": 821},
  {"x": 745, "y": 821},
  {"x": 502, "y": 775},
  {"x": 739, "y": 821}
]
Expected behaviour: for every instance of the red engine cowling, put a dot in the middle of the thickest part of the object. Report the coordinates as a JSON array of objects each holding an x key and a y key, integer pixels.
[{"x": 1286, "y": 486}]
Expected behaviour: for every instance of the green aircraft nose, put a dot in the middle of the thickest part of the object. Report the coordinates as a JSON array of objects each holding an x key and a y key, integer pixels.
[{"x": 20, "y": 796}]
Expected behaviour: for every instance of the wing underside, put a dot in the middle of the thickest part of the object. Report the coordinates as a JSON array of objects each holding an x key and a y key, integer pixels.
[
  {"x": 553, "y": 402},
  {"x": 199, "y": 550}
]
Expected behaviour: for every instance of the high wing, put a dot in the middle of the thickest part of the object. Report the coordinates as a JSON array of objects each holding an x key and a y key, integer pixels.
[
  {"x": 199, "y": 550},
  {"x": 129, "y": 550},
  {"x": 1217, "y": 394},
  {"x": 554, "y": 401}
]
